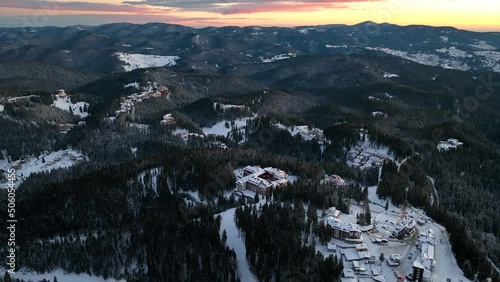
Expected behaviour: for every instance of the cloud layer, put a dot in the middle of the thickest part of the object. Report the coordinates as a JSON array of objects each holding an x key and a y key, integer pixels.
[
  {"x": 154, "y": 6},
  {"x": 247, "y": 6}
]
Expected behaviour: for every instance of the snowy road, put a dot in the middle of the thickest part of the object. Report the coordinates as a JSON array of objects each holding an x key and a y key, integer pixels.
[{"x": 235, "y": 241}]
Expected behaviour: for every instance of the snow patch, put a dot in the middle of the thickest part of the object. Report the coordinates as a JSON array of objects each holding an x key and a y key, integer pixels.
[
  {"x": 490, "y": 58},
  {"x": 220, "y": 128},
  {"x": 64, "y": 103},
  {"x": 133, "y": 84},
  {"x": 44, "y": 162},
  {"x": 454, "y": 52},
  {"x": 483, "y": 45},
  {"x": 279, "y": 57},
  {"x": 390, "y": 75},
  {"x": 335, "y": 46},
  {"x": 451, "y": 143},
  {"x": 138, "y": 61}
]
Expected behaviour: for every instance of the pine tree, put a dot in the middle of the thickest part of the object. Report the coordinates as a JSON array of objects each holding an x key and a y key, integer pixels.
[
  {"x": 381, "y": 257},
  {"x": 224, "y": 236},
  {"x": 6, "y": 277}
]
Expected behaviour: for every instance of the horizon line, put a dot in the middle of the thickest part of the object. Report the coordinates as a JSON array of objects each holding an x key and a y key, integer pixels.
[{"x": 245, "y": 26}]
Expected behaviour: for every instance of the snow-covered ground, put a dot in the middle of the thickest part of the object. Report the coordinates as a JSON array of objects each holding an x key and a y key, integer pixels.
[
  {"x": 140, "y": 126},
  {"x": 53, "y": 160},
  {"x": 132, "y": 84},
  {"x": 335, "y": 46},
  {"x": 184, "y": 134},
  {"x": 153, "y": 181},
  {"x": 366, "y": 154},
  {"x": 390, "y": 75},
  {"x": 483, "y": 45},
  {"x": 449, "y": 144},
  {"x": 65, "y": 103},
  {"x": 454, "y": 52},
  {"x": 490, "y": 58},
  {"x": 450, "y": 59},
  {"x": 61, "y": 276},
  {"x": 307, "y": 29},
  {"x": 279, "y": 57},
  {"x": 138, "y": 61},
  {"x": 235, "y": 241},
  {"x": 220, "y": 128}
]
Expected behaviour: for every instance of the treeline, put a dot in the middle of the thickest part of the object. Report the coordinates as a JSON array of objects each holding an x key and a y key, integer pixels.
[
  {"x": 405, "y": 183},
  {"x": 274, "y": 246},
  {"x": 131, "y": 228},
  {"x": 467, "y": 181},
  {"x": 21, "y": 139}
]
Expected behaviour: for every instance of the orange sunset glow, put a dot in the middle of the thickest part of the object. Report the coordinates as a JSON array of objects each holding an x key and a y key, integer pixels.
[{"x": 480, "y": 15}]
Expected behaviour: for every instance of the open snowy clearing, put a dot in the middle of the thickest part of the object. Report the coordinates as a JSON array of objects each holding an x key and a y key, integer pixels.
[
  {"x": 77, "y": 108},
  {"x": 220, "y": 128},
  {"x": 139, "y": 61},
  {"x": 44, "y": 162}
]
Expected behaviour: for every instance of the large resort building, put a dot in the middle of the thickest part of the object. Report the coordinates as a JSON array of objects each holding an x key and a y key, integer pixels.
[
  {"x": 345, "y": 231},
  {"x": 261, "y": 180},
  {"x": 404, "y": 227}
]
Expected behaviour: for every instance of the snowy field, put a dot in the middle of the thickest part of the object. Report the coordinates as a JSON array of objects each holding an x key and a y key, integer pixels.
[
  {"x": 450, "y": 58},
  {"x": 60, "y": 275},
  {"x": 77, "y": 108},
  {"x": 220, "y": 128},
  {"x": 53, "y": 160},
  {"x": 139, "y": 61}
]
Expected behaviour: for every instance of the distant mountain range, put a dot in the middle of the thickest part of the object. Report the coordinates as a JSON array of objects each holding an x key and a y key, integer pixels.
[{"x": 105, "y": 49}]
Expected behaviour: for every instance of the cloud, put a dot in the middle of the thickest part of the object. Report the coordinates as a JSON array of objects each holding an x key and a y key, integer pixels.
[
  {"x": 54, "y": 6},
  {"x": 248, "y": 6}
]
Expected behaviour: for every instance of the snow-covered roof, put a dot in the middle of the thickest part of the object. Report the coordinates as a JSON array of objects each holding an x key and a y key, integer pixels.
[
  {"x": 252, "y": 169},
  {"x": 337, "y": 224},
  {"x": 361, "y": 246},
  {"x": 379, "y": 278},
  {"x": 427, "y": 251},
  {"x": 280, "y": 177},
  {"x": 348, "y": 273}
]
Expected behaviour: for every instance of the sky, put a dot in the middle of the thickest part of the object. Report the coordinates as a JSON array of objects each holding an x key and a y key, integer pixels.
[{"x": 477, "y": 15}]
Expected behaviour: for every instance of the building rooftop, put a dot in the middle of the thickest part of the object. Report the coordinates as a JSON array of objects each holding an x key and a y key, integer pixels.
[
  {"x": 337, "y": 224},
  {"x": 348, "y": 273}
]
